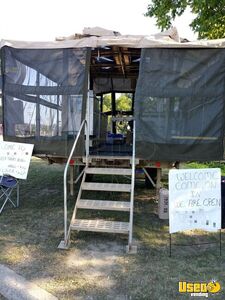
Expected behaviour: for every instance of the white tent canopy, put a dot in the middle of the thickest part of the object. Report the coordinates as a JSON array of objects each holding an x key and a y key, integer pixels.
[{"x": 97, "y": 37}]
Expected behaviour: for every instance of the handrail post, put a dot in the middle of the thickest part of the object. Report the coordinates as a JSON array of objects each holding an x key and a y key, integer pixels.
[
  {"x": 64, "y": 243},
  {"x": 132, "y": 186},
  {"x": 88, "y": 126},
  {"x": 65, "y": 208}
]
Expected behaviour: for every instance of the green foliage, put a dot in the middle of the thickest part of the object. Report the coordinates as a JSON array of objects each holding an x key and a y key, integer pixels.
[
  {"x": 124, "y": 103},
  {"x": 107, "y": 104},
  {"x": 212, "y": 164},
  {"x": 209, "y": 21}
]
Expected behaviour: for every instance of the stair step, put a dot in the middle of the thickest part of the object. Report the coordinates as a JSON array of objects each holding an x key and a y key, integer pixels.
[
  {"x": 109, "y": 171},
  {"x": 114, "y": 187},
  {"x": 100, "y": 226},
  {"x": 103, "y": 205}
]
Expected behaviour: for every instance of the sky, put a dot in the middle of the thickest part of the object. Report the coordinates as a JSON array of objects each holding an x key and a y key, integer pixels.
[{"x": 44, "y": 20}]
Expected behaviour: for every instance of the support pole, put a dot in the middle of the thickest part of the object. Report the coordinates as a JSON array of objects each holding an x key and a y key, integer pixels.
[
  {"x": 88, "y": 124},
  {"x": 131, "y": 248},
  {"x": 113, "y": 111},
  {"x": 38, "y": 119},
  {"x": 158, "y": 182},
  {"x": 71, "y": 179},
  {"x": 170, "y": 244}
]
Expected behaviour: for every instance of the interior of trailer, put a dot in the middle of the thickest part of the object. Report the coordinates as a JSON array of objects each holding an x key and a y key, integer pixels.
[{"x": 113, "y": 77}]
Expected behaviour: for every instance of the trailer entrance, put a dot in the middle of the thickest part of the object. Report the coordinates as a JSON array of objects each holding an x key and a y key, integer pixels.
[{"x": 113, "y": 76}]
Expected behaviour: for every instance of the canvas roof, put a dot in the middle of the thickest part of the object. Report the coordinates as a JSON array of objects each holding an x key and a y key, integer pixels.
[{"x": 98, "y": 37}]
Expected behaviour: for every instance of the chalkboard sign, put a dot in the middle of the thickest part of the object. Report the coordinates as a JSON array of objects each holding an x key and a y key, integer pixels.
[
  {"x": 15, "y": 159},
  {"x": 194, "y": 199}
]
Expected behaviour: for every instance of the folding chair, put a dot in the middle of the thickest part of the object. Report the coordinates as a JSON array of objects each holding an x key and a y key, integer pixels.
[{"x": 7, "y": 185}]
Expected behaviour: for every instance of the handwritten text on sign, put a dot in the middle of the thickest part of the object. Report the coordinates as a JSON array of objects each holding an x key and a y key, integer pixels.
[
  {"x": 15, "y": 159},
  {"x": 195, "y": 199}
]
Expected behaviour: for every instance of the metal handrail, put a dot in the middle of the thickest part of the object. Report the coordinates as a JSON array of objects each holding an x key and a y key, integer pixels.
[
  {"x": 132, "y": 185},
  {"x": 65, "y": 174}
]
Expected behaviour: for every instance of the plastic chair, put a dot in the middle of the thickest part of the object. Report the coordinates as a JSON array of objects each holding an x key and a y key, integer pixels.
[{"x": 7, "y": 185}]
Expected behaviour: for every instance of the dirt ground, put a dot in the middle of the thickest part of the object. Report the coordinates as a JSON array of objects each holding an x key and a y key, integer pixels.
[{"x": 97, "y": 267}]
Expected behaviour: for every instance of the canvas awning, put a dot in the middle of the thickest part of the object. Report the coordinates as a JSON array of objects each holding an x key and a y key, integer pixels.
[{"x": 167, "y": 39}]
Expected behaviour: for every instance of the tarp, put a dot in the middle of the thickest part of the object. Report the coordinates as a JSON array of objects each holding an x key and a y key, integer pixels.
[
  {"x": 179, "y": 104},
  {"x": 167, "y": 39}
]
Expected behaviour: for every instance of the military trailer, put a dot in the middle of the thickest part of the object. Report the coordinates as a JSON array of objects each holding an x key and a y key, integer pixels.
[{"x": 53, "y": 97}]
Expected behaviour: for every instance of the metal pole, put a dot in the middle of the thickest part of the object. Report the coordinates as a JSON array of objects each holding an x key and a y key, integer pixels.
[
  {"x": 18, "y": 193},
  {"x": 65, "y": 208},
  {"x": 38, "y": 125},
  {"x": 65, "y": 183},
  {"x": 57, "y": 117},
  {"x": 132, "y": 187},
  {"x": 170, "y": 244},
  {"x": 87, "y": 123},
  {"x": 113, "y": 99},
  {"x": 220, "y": 243},
  {"x": 149, "y": 177},
  {"x": 71, "y": 180}
]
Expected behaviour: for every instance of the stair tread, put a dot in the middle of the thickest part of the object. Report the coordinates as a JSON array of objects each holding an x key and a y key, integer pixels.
[
  {"x": 99, "y": 186},
  {"x": 103, "y": 205},
  {"x": 109, "y": 171},
  {"x": 100, "y": 226}
]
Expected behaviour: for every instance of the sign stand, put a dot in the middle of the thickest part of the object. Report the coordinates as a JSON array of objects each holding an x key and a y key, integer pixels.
[{"x": 198, "y": 244}]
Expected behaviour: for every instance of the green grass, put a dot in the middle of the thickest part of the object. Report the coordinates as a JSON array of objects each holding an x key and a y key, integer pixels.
[
  {"x": 96, "y": 265},
  {"x": 197, "y": 165}
]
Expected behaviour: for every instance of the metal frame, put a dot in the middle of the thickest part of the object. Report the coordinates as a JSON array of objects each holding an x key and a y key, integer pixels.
[
  {"x": 149, "y": 177},
  {"x": 85, "y": 123},
  {"x": 64, "y": 244},
  {"x": 7, "y": 191},
  {"x": 130, "y": 246}
]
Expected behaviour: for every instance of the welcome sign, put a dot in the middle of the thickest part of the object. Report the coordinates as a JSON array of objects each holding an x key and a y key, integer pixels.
[
  {"x": 15, "y": 159},
  {"x": 194, "y": 199}
]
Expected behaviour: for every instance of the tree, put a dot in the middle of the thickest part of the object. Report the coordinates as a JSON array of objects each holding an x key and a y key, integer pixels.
[
  {"x": 124, "y": 103},
  {"x": 209, "y": 21},
  {"x": 107, "y": 103}
]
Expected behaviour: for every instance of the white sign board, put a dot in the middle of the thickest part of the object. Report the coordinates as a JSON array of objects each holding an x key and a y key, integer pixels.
[
  {"x": 194, "y": 199},
  {"x": 15, "y": 159}
]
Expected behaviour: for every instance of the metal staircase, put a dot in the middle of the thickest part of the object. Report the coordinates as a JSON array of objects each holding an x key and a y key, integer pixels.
[{"x": 101, "y": 225}]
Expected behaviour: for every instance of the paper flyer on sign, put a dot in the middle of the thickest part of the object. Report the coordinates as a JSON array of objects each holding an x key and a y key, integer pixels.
[
  {"x": 15, "y": 159},
  {"x": 194, "y": 199}
]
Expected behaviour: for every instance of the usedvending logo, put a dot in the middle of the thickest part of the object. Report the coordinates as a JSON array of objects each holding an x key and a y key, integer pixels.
[{"x": 199, "y": 289}]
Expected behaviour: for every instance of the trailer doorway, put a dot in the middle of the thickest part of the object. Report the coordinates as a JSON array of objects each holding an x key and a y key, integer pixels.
[
  {"x": 116, "y": 125},
  {"x": 113, "y": 77}
]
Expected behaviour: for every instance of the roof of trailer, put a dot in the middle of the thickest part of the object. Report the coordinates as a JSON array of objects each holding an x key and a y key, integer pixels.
[{"x": 99, "y": 37}]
